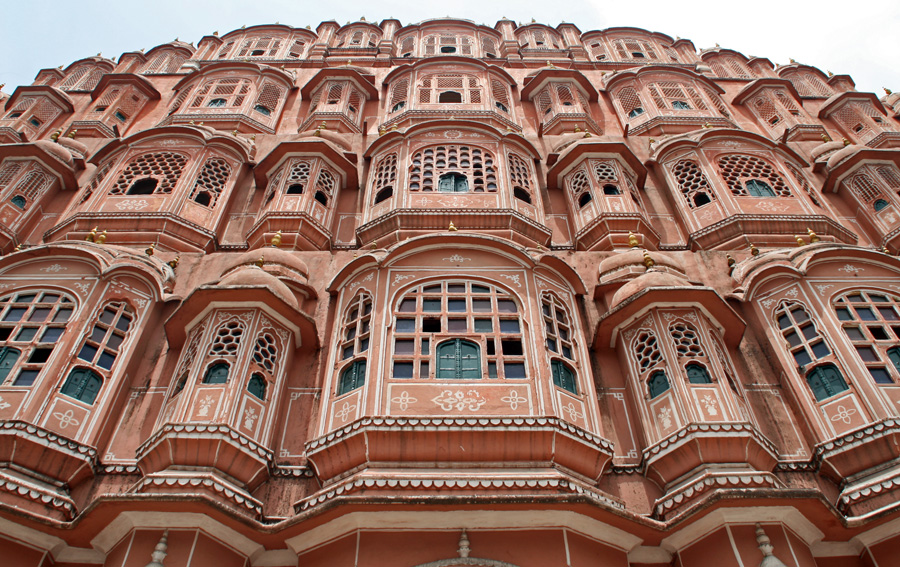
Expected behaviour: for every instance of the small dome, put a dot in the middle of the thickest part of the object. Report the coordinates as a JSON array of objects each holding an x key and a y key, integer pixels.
[
  {"x": 74, "y": 146},
  {"x": 840, "y": 155},
  {"x": 652, "y": 278},
  {"x": 635, "y": 257},
  {"x": 272, "y": 255},
  {"x": 57, "y": 151},
  {"x": 256, "y": 277},
  {"x": 825, "y": 149}
]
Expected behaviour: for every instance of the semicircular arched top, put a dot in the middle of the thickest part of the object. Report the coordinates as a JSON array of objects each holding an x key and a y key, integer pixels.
[
  {"x": 443, "y": 124},
  {"x": 438, "y": 61},
  {"x": 700, "y": 138},
  {"x": 466, "y": 562},
  {"x": 633, "y": 74},
  {"x": 206, "y": 136}
]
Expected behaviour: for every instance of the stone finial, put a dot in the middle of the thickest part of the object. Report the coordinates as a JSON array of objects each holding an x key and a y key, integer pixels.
[
  {"x": 173, "y": 263},
  {"x": 452, "y": 227},
  {"x": 633, "y": 240},
  {"x": 92, "y": 235},
  {"x": 149, "y": 251},
  {"x": 717, "y": 45},
  {"x": 551, "y": 65},
  {"x": 260, "y": 261},
  {"x": 767, "y": 549},
  {"x": 754, "y": 251},
  {"x": 276, "y": 240},
  {"x": 159, "y": 552},
  {"x": 731, "y": 260},
  {"x": 648, "y": 261},
  {"x": 813, "y": 237},
  {"x": 577, "y": 128},
  {"x": 216, "y": 33},
  {"x": 72, "y": 134},
  {"x": 101, "y": 238},
  {"x": 800, "y": 241},
  {"x": 887, "y": 91},
  {"x": 830, "y": 74},
  {"x": 793, "y": 60},
  {"x": 464, "y": 548}
]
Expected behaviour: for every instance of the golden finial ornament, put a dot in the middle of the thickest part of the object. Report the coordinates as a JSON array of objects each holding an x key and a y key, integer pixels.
[
  {"x": 55, "y": 136},
  {"x": 260, "y": 261},
  {"x": 18, "y": 248},
  {"x": 846, "y": 142},
  {"x": 792, "y": 60},
  {"x": 813, "y": 237},
  {"x": 577, "y": 128},
  {"x": 826, "y": 138},
  {"x": 381, "y": 130},
  {"x": 633, "y": 240},
  {"x": 173, "y": 263},
  {"x": 149, "y": 251},
  {"x": 101, "y": 238},
  {"x": 276, "y": 240},
  {"x": 754, "y": 251},
  {"x": 885, "y": 250},
  {"x": 887, "y": 91},
  {"x": 92, "y": 235},
  {"x": 234, "y": 132},
  {"x": 253, "y": 139},
  {"x": 452, "y": 227},
  {"x": 349, "y": 61},
  {"x": 800, "y": 241},
  {"x": 587, "y": 134},
  {"x": 72, "y": 134},
  {"x": 830, "y": 74},
  {"x": 216, "y": 33},
  {"x": 717, "y": 45},
  {"x": 730, "y": 259},
  {"x": 394, "y": 127},
  {"x": 648, "y": 261}
]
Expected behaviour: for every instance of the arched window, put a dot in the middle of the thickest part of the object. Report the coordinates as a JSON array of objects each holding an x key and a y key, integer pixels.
[
  {"x": 676, "y": 96},
  {"x": 211, "y": 182},
  {"x": 657, "y": 384},
  {"x": 297, "y": 178},
  {"x": 83, "y": 385},
  {"x": 563, "y": 376},
  {"x": 163, "y": 168},
  {"x": 31, "y": 325},
  {"x": 519, "y": 177},
  {"x": 474, "y": 313},
  {"x": 801, "y": 335},
  {"x": 757, "y": 188},
  {"x": 809, "y": 85},
  {"x": 738, "y": 170},
  {"x": 879, "y": 204},
  {"x": 456, "y": 87},
  {"x": 385, "y": 177},
  {"x": 557, "y": 327},
  {"x": 352, "y": 377},
  {"x": 265, "y": 353},
  {"x": 866, "y": 189},
  {"x": 697, "y": 374},
  {"x": 631, "y": 48},
  {"x": 871, "y": 321},
  {"x": 430, "y": 165},
  {"x": 825, "y": 381},
  {"x": 458, "y": 359},
  {"x": 259, "y": 47},
  {"x": 630, "y": 102},
  {"x": 399, "y": 94},
  {"x": 448, "y": 44},
  {"x": 101, "y": 347},
  {"x": 269, "y": 99},
  {"x": 257, "y": 386},
  {"x": 164, "y": 61},
  {"x": 692, "y": 183},
  {"x": 216, "y": 373},
  {"x": 357, "y": 327},
  {"x": 500, "y": 94},
  {"x": 227, "y": 339}
]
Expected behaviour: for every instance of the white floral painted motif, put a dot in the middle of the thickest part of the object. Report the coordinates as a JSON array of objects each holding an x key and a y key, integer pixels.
[
  {"x": 572, "y": 412},
  {"x": 843, "y": 414},
  {"x": 345, "y": 411},
  {"x": 4, "y": 404},
  {"x": 66, "y": 419},
  {"x": 456, "y": 258},
  {"x": 55, "y": 268},
  {"x": 250, "y": 418},
  {"x": 403, "y": 400},
  {"x": 132, "y": 205},
  {"x": 665, "y": 417},
  {"x": 205, "y": 404},
  {"x": 710, "y": 404},
  {"x": 513, "y": 399},
  {"x": 448, "y": 400}
]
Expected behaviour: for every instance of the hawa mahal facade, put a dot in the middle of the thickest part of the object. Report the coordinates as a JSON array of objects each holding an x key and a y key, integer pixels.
[{"x": 445, "y": 295}]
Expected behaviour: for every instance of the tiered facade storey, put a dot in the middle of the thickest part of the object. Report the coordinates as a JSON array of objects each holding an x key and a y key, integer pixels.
[{"x": 443, "y": 295}]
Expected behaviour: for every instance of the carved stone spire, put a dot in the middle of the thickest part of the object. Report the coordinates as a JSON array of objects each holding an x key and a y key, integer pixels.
[
  {"x": 765, "y": 545},
  {"x": 463, "y": 544},
  {"x": 159, "y": 552}
]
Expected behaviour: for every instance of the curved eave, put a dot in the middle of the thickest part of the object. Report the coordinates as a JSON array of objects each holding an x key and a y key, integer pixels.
[
  {"x": 138, "y": 81},
  {"x": 565, "y": 270},
  {"x": 99, "y": 61},
  {"x": 457, "y": 241},
  {"x": 372, "y": 27},
  {"x": 184, "y": 48},
  {"x": 754, "y": 86},
  {"x": 365, "y": 82},
  {"x": 711, "y": 53},
  {"x": 208, "y": 296},
  {"x": 715, "y": 306},
  {"x": 590, "y": 147},
  {"x": 751, "y": 274},
  {"x": 840, "y": 99},
  {"x": 443, "y": 124},
  {"x": 308, "y": 146},
  {"x": 64, "y": 171},
  {"x": 705, "y": 136},
  {"x": 633, "y": 74},
  {"x": 445, "y": 22},
  {"x": 260, "y": 28},
  {"x": 798, "y": 67},
  {"x": 832, "y": 80},
  {"x": 444, "y": 59},
  {"x": 545, "y": 75},
  {"x": 57, "y": 95},
  {"x": 239, "y": 147},
  {"x": 254, "y": 68},
  {"x": 846, "y": 166},
  {"x": 641, "y": 31}
]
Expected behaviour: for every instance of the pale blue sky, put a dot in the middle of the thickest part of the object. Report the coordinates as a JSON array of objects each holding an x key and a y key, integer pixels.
[{"x": 862, "y": 42}]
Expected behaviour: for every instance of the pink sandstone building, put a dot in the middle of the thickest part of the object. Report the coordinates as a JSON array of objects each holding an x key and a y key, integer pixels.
[{"x": 445, "y": 295}]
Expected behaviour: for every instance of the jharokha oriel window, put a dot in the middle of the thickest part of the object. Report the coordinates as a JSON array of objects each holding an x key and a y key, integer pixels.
[
  {"x": 354, "y": 343},
  {"x": 871, "y": 321},
  {"x": 650, "y": 366},
  {"x": 559, "y": 342},
  {"x": 31, "y": 325},
  {"x": 457, "y": 330},
  {"x": 453, "y": 169}
]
